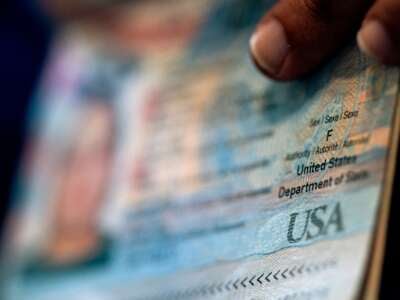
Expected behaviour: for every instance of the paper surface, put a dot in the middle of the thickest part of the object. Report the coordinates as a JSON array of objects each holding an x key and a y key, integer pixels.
[{"x": 165, "y": 166}]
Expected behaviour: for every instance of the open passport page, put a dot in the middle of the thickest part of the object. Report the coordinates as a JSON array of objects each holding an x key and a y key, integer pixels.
[{"x": 160, "y": 164}]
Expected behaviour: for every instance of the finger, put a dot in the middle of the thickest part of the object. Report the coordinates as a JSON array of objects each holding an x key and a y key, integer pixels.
[
  {"x": 379, "y": 35},
  {"x": 295, "y": 36}
]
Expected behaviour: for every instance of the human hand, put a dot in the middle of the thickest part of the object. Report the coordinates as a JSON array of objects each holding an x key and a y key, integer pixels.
[{"x": 296, "y": 36}]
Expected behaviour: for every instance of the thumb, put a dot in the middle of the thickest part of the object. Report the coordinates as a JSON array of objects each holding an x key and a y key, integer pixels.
[
  {"x": 380, "y": 34},
  {"x": 295, "y": 36}
]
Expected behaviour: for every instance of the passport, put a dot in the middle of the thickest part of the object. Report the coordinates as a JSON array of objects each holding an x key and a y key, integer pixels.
[{"x": 162, "y": 165}]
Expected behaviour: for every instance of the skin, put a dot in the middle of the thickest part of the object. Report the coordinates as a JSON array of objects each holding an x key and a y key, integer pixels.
[{"x": 314, "y": 30}]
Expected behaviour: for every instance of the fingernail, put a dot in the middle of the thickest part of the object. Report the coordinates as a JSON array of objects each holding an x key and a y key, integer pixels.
[
  {"x": 269, "y": 46},
  {"x": 374, "y": 40}
]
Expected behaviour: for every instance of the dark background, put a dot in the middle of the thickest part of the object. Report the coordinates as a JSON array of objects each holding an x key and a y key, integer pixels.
[
  {"x": 25, "y": 35},
  {"x": 24, "y": 40},
  {"x": 390, "y": 285}
]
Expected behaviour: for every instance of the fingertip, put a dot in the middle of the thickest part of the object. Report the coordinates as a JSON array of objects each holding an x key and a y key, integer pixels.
[
  {"x": 292, "y": 40},
  {"x": 374, "y": 40},
  {"x": 269, "y": 46}
]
